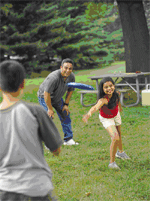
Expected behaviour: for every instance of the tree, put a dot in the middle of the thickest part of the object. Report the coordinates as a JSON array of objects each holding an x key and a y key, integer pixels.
[
  {"x": 75, "y": 29},
  {"x": 136, "y": 35},
  {"x": 87, "y": 31}
]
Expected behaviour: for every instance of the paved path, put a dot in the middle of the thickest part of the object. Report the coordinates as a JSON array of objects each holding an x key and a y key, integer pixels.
[{"x": 111, "y": 69}]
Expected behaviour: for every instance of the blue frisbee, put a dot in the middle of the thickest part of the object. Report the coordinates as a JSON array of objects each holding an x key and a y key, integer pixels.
[{"x": 80, "y": 86}]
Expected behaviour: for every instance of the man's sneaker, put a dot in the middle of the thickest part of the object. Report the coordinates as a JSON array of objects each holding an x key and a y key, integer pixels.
[
  {"x": 71, "y": 142},
  {"x": 113, "y": 166},
  {"x": 122, "y": 155}
]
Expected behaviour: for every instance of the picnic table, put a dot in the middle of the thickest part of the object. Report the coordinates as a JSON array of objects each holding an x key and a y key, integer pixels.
[{"x": 124, "y": 87}]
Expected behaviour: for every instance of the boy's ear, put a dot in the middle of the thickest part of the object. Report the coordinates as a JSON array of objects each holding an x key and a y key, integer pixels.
[{"x": 22, "y": 85}]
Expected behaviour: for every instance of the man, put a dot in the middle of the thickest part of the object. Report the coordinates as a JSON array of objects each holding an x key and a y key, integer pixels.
[{"x": 50, "y": 96}]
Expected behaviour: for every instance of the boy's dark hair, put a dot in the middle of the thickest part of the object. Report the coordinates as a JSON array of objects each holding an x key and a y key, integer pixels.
[
  {"x": 101, "y": 93},
  {"x": 12, "y": 74},
  {"x": 67, "y": 60}
]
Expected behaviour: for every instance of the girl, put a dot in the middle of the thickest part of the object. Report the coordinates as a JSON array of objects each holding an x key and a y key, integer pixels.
[{"x": 109, "y": 108}]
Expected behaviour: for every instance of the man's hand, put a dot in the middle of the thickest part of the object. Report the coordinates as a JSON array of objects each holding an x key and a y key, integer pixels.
[
  {"x": 50, "y": 113},
  {"x": 66, "y": 109}
]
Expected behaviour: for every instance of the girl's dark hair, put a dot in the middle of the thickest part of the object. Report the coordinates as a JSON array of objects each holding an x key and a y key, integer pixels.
[
  {"x": 101, "y": 93},
  {"x": 67, "y": 60},
  {"x": 12, "y": 74}
]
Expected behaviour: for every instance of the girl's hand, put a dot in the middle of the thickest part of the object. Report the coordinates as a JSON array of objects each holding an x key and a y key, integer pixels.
[{"x": 85, "y": 118}]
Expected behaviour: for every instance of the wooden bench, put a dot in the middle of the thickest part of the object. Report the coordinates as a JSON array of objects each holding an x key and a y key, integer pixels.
[
  {"x": 132, "y": 85},
  {"x": 123, "y": 84},
  {"x": 83, "y": 92},
  {"x": 87, "y": 92}
]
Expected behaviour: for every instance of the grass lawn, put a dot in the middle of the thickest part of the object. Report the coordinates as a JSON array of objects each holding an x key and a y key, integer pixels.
[{"x": 81, "y": 172}]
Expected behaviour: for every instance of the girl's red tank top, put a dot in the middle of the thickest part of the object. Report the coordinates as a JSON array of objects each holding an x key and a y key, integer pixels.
[{"x": 108, "y": 113}]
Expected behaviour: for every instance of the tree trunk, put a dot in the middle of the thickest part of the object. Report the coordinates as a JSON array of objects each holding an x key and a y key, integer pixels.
[{"x": 136, "y": 35}]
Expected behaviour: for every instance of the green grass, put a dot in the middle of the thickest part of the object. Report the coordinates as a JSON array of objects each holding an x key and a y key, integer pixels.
[{"x": 81, "y": 172}]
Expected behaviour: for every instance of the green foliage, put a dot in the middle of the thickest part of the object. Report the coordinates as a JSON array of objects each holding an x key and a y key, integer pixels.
[
  {"x": 6, "y": 8},
  {"x": 97, "y": 10},
  {"x": 74, "y": 29}
]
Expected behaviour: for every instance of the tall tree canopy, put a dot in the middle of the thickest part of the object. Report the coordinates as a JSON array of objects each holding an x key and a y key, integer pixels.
[{"x": 88, "y": 32}]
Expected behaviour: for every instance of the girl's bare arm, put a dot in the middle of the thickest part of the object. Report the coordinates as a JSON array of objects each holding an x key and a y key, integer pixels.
[{"x": 96, "y": 107}]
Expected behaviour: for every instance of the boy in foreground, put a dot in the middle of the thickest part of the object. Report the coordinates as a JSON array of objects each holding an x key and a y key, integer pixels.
[{"x": 24, "y": 173}]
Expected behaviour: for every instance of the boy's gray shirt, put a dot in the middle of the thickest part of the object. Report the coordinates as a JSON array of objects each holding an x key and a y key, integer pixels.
[
  {"x": 23, "y": 168},
  {"x": 55, "y": 85}
]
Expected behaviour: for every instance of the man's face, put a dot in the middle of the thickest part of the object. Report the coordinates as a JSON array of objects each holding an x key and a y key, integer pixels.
[{"x": 66, "y": 69}]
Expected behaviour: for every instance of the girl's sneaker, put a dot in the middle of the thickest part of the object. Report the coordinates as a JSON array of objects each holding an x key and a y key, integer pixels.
[
  {"x": 113, "y": 166},
  {"x": 122, "y": 155}
]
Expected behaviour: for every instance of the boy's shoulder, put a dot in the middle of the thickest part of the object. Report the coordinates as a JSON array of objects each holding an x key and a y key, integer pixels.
[
  {"x": 34, "y": 107},
  {"x": 26, "y": 108},
  {"x": 31, "y": 105},
  {"x": 36, "y": 111},
  {"x": 21, "y": 105}
]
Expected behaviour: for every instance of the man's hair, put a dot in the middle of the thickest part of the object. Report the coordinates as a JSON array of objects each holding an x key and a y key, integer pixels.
[
  {"x": 67, "y": 60},
  {"x": 12, "y": 74}
]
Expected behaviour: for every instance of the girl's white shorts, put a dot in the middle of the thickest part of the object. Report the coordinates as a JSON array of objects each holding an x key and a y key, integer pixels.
[{"x": 116, "y": 121}]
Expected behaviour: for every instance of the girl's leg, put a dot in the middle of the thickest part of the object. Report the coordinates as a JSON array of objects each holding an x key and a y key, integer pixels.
[
  {"x": 120, "y": 139},
  {"x": 121, "y": 153},
  {"x": 114, "y": 141}
]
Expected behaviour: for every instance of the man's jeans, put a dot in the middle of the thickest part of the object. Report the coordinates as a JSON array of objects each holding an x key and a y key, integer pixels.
[{"x": 64, "y": 118}]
